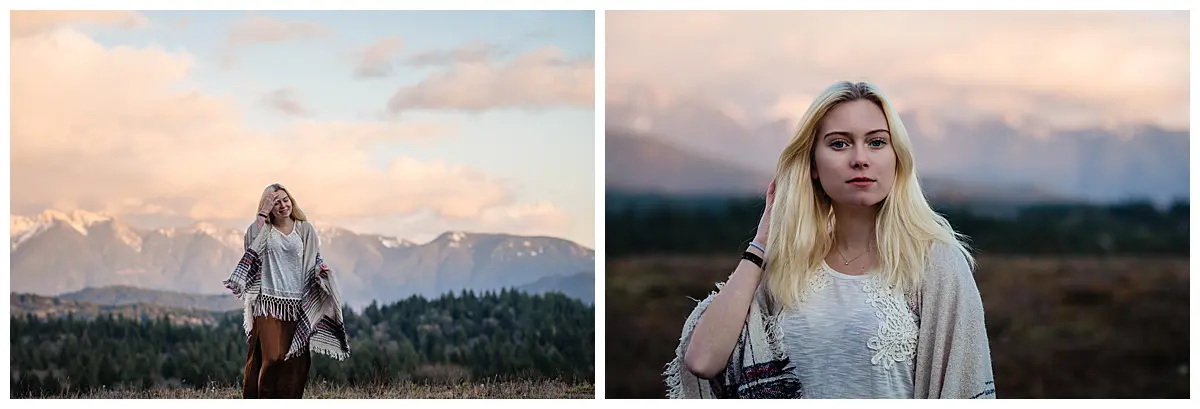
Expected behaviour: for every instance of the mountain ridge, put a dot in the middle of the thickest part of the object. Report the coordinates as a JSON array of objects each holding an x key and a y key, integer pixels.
[
  {"x": 631, "y": 156},
  {"x": 61, "y": 252},
  {"x": 1098, "y": 164}
]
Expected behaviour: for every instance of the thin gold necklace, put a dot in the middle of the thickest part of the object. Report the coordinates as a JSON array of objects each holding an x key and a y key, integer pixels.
[{"x": 839, "y": 251}]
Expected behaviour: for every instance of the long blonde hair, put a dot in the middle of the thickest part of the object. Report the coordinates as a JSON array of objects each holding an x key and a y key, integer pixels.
[
  {"x": 297, "y": 214},
  {"x": 905, "y": 229}
]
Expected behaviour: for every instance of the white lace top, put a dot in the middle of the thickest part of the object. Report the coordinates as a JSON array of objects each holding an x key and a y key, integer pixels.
[
  {"x": 283, "y": 275},
  {"x": 849, "y": 338}
]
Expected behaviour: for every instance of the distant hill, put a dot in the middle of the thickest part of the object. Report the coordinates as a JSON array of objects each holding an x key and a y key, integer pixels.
[
  {"x": 127, "y": 295},
  {"x": 644, "y": 171},
  {"x": 581, "y": 286},
  {"x": 45, "y": 307},
  {"x": 641, "y": 164},
  {"x": 133, "y": 302}
]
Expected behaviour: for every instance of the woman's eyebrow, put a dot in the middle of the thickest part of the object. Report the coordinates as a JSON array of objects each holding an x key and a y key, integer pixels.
[{"x": 835, "y": 133}]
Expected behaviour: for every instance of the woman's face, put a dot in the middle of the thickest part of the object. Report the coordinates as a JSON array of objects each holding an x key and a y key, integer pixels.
[
  {"x": 853, "y": 157},
  {"x": 283, "y": 205}
]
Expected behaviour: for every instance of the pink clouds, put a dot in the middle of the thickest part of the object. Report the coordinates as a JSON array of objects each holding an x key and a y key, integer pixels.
[
  {"x": 30, "y": 22},
  {"x": 260, "y": 29},
  {"x": 376, "y": 61},
  {"x": 1073, "y": 69},
  {"x": 527, "y": 219},
  {"x": 539, "y": 79},
  {"x": 110, "y": 129},
  {"x": 474, "y": 52},
  {"x": 285, "y": 101}
]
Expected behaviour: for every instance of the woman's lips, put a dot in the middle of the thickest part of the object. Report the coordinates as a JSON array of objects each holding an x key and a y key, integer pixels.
[{"x": 861, "y": 181}]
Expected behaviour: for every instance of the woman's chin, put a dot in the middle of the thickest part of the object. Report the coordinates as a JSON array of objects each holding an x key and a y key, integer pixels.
[{"x": 862, "y": 200}]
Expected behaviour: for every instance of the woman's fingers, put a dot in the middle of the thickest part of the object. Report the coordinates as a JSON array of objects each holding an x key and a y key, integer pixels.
[{"x": 771, "y": 193}]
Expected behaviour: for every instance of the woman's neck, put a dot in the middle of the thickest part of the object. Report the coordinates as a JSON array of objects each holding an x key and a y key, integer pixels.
[
  {"x": 855, "y": 227},
  {"x": 283, "y": 222}
]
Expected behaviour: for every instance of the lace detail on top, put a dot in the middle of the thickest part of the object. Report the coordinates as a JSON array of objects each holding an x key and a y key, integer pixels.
[
  {"x": 842, "y": 342},
  {"x": 896, "y": 340},
  {"x": 818, "y": 282}
]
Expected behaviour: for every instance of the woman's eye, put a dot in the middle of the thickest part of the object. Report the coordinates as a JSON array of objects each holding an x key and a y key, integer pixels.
[
  {"x": 878, "y": 143},
  {"x": 838, "y": 144}
]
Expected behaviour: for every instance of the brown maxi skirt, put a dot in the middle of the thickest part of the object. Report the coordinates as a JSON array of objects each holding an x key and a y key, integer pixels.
[{"x": 267, "y": 374}]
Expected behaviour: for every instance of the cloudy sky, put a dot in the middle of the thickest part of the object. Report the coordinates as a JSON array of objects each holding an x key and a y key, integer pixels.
[
  {"x": 1068, "y": 70},
  {"x": 399, "y": 123}
]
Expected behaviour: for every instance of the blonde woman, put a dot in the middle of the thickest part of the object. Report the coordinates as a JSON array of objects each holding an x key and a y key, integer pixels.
[
  {"x": 291, "y": 297},
  {"x": 853, "y": 287}
]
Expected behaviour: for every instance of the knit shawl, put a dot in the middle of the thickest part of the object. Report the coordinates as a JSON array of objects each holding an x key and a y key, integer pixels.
[
  {"x": 953, "y": 356},
  {"x": 758, "y": 368},
  {"x": 318, "y": 314}
]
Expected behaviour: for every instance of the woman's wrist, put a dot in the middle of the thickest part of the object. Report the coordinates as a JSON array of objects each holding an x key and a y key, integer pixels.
[
  {"x": 758, "y": 245},
  {"x": 760, "y": 240},
  {"x": 755, "y": 255},
  {"x": 754, "y": 258}
]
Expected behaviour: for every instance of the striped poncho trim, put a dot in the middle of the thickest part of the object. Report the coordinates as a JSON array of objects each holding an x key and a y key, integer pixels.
[{"x": 758, "y": 368}]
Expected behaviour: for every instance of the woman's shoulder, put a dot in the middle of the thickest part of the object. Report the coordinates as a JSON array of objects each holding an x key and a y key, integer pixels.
[
  {"x": 305, "y": 227},
  {"x": 948, "y": 265}
]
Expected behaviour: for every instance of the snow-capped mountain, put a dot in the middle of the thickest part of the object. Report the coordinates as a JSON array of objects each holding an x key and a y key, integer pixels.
[
  {"x": 24, "y": 228},
  {"x": 57, "y": 252},
  {"x": 226, "y": 236}
]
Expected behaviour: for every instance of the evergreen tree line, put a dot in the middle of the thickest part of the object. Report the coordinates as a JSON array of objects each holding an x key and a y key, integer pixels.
[
  {"x": 504, "y": 335},
  {"x": 667, "y": 226}
]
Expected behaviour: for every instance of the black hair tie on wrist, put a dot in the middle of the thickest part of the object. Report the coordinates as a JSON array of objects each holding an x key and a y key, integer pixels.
[{"x": 754, "y": 258}]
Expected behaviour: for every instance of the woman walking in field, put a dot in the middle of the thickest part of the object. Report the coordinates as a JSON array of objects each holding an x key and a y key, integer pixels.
[
  {"x": 853, "y": 287},
  {"x": 292, "y": 302}
]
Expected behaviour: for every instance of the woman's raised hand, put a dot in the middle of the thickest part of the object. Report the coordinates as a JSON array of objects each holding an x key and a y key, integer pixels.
[{"x": 270, "y": 203}]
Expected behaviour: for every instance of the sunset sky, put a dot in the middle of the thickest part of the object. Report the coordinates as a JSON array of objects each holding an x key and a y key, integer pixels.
[
  {"x": 1069, "y": 70},
  {"x": 398, "y": 123},
  {"x": 1076, "y": 105}
]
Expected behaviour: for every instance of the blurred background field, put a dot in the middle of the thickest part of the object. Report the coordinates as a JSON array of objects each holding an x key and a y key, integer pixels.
[{"x": 1063, "y": 318}]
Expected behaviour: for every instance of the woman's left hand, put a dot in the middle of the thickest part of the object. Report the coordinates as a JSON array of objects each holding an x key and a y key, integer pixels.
[{"x": 323, "y": 272}]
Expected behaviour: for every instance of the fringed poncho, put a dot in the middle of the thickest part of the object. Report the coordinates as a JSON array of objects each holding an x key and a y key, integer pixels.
[{"x": 317, "y": 311}]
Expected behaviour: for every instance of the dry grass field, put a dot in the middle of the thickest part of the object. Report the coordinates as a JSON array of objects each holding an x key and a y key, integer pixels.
[
  {"x": 1060, "y": 327},
  {"x": 321, "y": 390}
]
